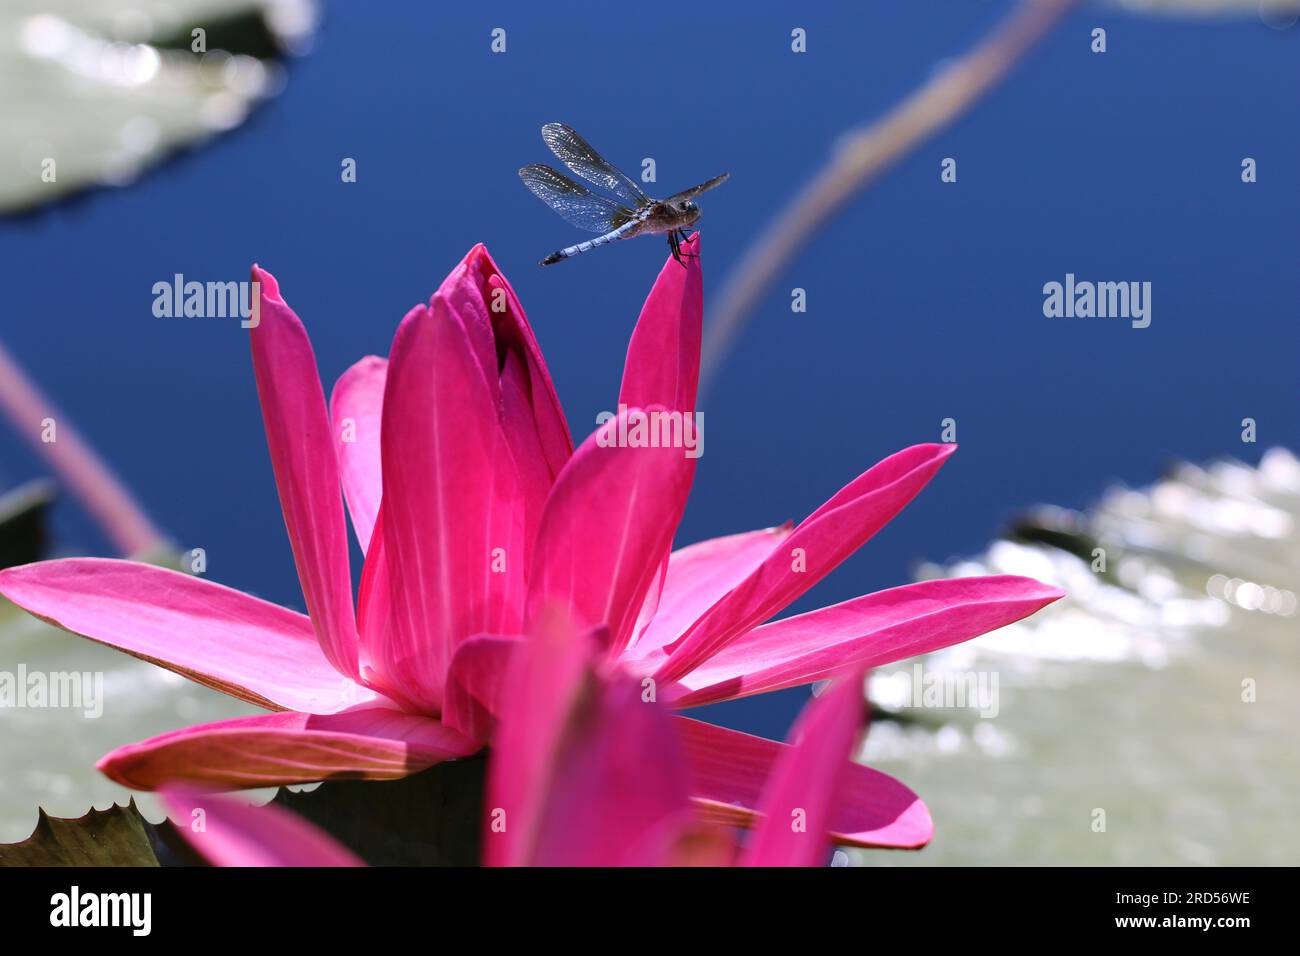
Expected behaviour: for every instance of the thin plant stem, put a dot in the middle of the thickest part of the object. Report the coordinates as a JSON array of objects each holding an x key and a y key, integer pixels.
[
  {"x": 863, "y": 155},
  {"x": 75, "y": 462}
]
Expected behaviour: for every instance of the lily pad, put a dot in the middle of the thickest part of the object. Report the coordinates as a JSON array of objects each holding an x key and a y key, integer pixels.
[
  {"x": 96, "y": 93},
  {"x": 1146, "y": 719},
  {"x": 428, "y": 819},
  {"x": 48, "y": 753},
  {"x": 118, "y": 836}
]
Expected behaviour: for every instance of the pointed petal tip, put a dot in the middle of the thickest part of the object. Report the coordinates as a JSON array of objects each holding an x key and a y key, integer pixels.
[
  {"x": 269, "y": 285},
  {"x": 1051, "y": 593},
  {"x": 915, "y": 827},
  {"x": 110, "y": 765},
  {"x": 413, "y": 315},
  {"x": 912, "y": 829},
  {"x": 1033, "y": 588}
]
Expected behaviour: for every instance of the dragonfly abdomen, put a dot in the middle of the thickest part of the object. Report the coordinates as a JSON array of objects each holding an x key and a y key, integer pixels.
[{"x": 625, "y": 231}]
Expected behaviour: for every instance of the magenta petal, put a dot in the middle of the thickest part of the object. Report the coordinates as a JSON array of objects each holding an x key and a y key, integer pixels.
[
  {"x": 356, "y": 407},
  {"x": 663, "y": 367},
  {"x": 475, "y": 684},
  {"x": 816, "y": 546},
  {"x": 495, "y": 322},
  {"x": 865, "y": 632},
  {"x": 306, "y": 470},
  {"x": 806, "y": 786},
  {"x": 230, "y": 833},
  {"x": 617, "y": 794},
  {"x": 237, "y": 644},
  {"x": 729, "y": 769},
  {"x": 545, "y": 678},
  {"x": 584, "y": 771},
  {"x": 663, "y": 356},
  {"x": 610, "y": 517},
  {"x": 698, "y": 576},
  {"x": 453, "y": 525},
  {"x": 535, "y": 476},
  {"x": 275, "y": 749}
]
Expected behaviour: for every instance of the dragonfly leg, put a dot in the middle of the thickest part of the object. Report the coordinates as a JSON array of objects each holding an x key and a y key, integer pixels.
[
  {"x": 675, "y": 247},
  {"x": 684, "y": 237}
]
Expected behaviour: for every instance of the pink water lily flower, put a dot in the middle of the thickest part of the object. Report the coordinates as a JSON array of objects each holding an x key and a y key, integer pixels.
[
  {"x": 475, "y": 512},
  {"x": 586, "y": 772}
]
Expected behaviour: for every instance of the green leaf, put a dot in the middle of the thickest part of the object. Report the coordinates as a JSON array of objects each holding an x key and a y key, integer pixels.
[
  {"x": 429, "y": 819},
  {"x": 118, "y": 836}
]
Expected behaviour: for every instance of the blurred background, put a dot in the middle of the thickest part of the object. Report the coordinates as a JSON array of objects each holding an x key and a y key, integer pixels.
[{"x": 924, "y": 302}]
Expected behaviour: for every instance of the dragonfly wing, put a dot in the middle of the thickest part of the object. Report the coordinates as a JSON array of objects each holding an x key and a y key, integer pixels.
[
  {"x": 576, "y": 203},
  {"x": 696, "y": 190},
  {"x": 576, "y": 153}
]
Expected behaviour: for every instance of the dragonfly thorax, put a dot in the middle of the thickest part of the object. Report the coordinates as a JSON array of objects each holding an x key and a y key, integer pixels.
[{"x": 668, "y": 215}]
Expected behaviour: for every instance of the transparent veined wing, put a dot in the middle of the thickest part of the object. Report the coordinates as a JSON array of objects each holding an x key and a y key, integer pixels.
[
  {"x": 576, "y": 203},
  {"x": 701, "y": 188},
  {"x": 576, "y": 153}
]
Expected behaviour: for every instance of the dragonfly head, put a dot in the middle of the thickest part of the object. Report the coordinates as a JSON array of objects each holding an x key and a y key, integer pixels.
[{"x": 687, "y": 212}]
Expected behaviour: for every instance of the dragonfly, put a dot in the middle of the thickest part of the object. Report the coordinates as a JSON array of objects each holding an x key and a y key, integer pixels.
[{"x": 634, "y": 213}]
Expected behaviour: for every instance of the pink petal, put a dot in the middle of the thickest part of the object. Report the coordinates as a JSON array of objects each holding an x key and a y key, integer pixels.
[
  {"x": 306, "y": 470},
  {"x": 865, "y": 632},
  {"x": 617, "y": 794},
  {"x": 480, "y": 295},
  {"x": 610, "y": 517},
  {"x": 478, "y": 298},
  {"x": 822, "y": 540},
  {"x": 663, "y": 356},
  {"x": 584, "y": 771},
  {"x": 663, "y": 365},
  {"x": 356, "y": 407},
  {"x": 453, "y": 525},
  {"x": 275, "y": 749},
  {"x": 222, "y": 638},
  {"x": 475, "y": 684},
  {"x": 535, "y": 476},
  {"x": 377, "y": 627},
  {"x": 230, "y": 833},
  {"x": 545, "y": 678},
  {"x": 728, "y": 770},
  {"x": 698, "y": 576},
  {"x": 806, "y": 785}
]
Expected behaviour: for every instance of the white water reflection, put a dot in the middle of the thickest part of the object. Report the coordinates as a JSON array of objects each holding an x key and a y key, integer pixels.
[{"x": 1163, "y": 691}]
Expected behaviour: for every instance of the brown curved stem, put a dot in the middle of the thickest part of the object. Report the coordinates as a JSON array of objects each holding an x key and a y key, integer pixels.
[{"x": 864, "y": 154}]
